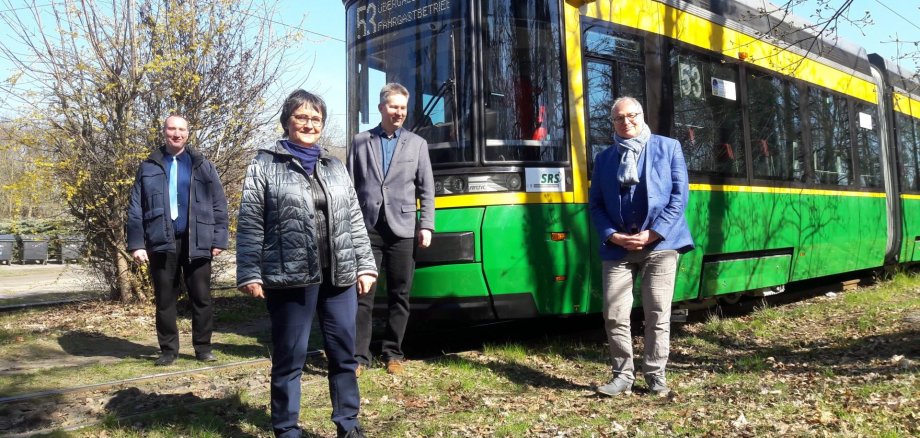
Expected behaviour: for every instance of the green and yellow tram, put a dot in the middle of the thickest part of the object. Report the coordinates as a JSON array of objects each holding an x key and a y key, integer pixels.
[{"x": 803, "y": 154}]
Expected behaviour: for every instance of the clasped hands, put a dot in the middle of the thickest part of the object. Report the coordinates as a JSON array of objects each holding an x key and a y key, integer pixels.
[{"x": 634, "y": 242}]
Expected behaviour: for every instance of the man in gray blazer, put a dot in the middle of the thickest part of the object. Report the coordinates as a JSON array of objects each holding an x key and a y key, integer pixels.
[{"x": 391, "y": 171}]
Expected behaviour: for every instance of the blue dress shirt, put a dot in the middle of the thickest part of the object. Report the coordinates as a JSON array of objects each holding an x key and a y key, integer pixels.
[
  {"x": 180, "y": 224},
  {"x": 387, "y": 147}
]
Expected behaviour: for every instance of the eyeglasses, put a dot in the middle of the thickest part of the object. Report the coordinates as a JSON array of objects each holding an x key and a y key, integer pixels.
[
  {"x": 630, "y": 116},
  {"x": 303, "y": 119}
]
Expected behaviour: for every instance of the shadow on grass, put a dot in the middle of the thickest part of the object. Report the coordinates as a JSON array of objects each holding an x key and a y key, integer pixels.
[
  {"x": 81, "y": 343},
  {"x": 868, "y": 354},
  {"x": 134, "y": 412},
  {"x": 197, "y": 415},
  {"x": 245, "y": 351},
  {"x": 94, "y": 344},
  {"x": 517, "y": 373}
]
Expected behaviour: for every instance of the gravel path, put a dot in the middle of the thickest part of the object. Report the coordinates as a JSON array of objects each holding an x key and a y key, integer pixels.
[{"x": 18, "y": 281}]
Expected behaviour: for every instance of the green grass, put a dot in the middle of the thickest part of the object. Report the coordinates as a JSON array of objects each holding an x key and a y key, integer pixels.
[{"x": 819, "y": 367}]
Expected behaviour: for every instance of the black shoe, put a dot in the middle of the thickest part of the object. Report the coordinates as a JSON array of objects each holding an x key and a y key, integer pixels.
[
  {"x": 354, "y": 433},
  {"x": 206, "y": 357},
  {"x": 165, "y": 359}
]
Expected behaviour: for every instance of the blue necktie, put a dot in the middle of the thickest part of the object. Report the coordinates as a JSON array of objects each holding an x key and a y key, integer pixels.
[{"x": 173, "y": 188}]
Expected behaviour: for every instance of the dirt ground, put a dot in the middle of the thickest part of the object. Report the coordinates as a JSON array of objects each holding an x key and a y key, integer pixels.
[{"x": 22, "y": 283}]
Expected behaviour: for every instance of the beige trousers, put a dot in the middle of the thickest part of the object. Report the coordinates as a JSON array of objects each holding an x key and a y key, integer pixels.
[{"x": 656, "y": 270}]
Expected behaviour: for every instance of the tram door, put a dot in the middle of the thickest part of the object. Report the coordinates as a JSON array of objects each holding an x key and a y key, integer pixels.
[{"x": 613, "y": 68}]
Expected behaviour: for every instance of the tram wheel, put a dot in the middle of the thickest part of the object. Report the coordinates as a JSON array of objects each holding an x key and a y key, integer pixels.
[{"x": 730, "y": 299}]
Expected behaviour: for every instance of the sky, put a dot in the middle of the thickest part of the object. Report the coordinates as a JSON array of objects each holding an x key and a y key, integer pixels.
[{"x": 323, "y": 25}]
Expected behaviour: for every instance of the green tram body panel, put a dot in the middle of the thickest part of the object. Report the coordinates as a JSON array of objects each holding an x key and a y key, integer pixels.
[
  {"x": 519, "y": 256},
  {"x": 824, "y": 234},
  {"x": 739, "y": 275},
  {"x": 758, "y": 240},
  {"x": 910, "y": 246}
]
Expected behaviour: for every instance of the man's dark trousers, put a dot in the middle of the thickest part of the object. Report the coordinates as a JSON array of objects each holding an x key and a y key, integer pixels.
[
  {"x": 397, "y": 255},
  {"x": 166, "y": 268}
]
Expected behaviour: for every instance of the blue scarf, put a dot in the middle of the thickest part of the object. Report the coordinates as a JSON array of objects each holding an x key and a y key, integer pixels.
[
  {"x": 306, "y": 155},
  {"x": 630, "y": 148}
]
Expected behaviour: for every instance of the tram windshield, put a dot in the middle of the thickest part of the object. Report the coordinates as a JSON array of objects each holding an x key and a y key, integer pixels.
[
  {"x": 522, "y": 82},
  {"x": 424, "y": 46},
  {"x": 500, "y": 103}
]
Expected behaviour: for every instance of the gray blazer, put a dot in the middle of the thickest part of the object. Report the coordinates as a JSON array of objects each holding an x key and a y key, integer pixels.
[{"x": 408, "y": 179}]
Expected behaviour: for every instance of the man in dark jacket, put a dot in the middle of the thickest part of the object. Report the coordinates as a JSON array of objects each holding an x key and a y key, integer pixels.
[{"x": 177, "y": 221}]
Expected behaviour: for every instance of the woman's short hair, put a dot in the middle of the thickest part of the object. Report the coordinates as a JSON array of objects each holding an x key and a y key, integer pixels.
[
  {"x": 392, "y": 88},
  {"x": 296, "y": 100}
]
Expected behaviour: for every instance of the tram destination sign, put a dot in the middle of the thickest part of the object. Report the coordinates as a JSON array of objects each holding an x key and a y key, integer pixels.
[{"x": 373, "y": 17}]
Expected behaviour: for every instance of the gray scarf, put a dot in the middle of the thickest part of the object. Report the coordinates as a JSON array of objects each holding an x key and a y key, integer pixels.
[{"x": 630, "y": 148}]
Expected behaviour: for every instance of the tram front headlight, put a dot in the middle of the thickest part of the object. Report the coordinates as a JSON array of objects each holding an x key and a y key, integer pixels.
[{"x": 477, "y": 183}]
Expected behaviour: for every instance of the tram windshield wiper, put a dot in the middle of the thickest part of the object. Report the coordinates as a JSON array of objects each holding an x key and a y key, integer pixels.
[{"x": 446, "y": 90}]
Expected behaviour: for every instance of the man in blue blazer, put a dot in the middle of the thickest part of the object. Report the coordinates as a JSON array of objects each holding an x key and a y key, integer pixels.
[
  {"x": 391, "y": 172},
  {"x": 638, "y": 194}
]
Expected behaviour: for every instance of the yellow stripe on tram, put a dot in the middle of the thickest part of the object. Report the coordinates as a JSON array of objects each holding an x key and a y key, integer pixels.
[
  {"x": 906, "y": 104},
  {"x": 783, "y": 190},
  {"x": 521, "y": 198},
  {"x": 515, "y": 198},
  {"x": 912, "y": 197}
]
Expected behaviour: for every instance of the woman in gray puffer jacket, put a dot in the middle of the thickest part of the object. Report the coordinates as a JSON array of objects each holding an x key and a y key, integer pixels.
[{"x": 302, "y": 246}]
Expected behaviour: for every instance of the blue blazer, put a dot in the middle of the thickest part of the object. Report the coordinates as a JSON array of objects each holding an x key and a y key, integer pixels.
[{"x": 668, "y": 189}]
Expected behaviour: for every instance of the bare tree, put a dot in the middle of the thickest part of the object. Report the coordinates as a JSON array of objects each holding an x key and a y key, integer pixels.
[
  {"x": 102, "y": 78},
  {"x": 777, "y": 23}
]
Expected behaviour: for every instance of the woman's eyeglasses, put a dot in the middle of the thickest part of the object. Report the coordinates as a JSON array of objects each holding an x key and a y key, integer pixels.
[{"x": 301, "y": 119}]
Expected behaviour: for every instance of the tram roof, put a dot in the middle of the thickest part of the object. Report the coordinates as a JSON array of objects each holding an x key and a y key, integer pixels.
[
  {"x": 903, "y": 80},
  {"x": 777, "y": 24}
]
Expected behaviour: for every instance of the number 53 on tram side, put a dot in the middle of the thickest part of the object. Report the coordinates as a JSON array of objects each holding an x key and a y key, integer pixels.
[{"x": 802, "y": 152}]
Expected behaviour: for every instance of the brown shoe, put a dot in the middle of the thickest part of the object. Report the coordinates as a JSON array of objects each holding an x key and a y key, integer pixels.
[
  {"x": 359, "y": 370},
  {"x": 395, "y": 366}
]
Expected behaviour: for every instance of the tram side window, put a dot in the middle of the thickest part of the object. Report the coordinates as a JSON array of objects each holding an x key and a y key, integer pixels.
[
  {"x": 600, "y": 96},
  {"x": 868, "y": 148},
  {"x": 909, "y": 148},
  {"x": 776, "y": 128},
  {"x": 614, "y": 69},
  {"x": 707, "y": 114},
  {"x": 830, "y": 138},
  {"x": 524, "y": 110}
]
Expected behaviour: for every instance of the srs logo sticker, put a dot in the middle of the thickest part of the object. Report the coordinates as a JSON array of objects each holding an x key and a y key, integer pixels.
[{"x": 542, "y": 179}]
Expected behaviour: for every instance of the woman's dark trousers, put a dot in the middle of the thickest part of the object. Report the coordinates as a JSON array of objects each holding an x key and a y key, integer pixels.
[{"x": 291, "y": 312}]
